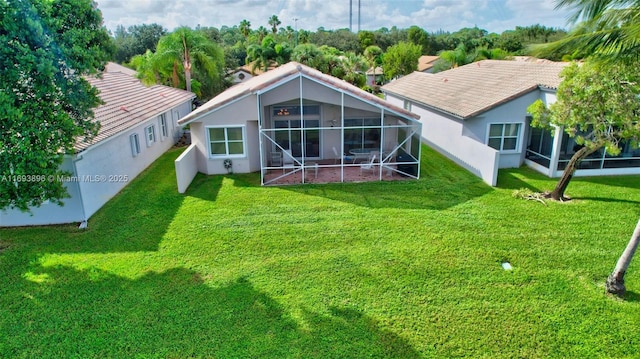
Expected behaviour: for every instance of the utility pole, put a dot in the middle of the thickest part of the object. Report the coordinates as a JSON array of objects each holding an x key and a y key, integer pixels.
[
  {"x": 359, "y": 6},
  {"x": 295, "y": 22},
  {"x": 351, "y": 15}
]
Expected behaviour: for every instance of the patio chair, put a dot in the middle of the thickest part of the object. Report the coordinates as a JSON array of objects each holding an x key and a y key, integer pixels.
[
  {"x": 276, "y": 159},
  {"x": 369, "y": 165},
  {"x": 338, "y": 157},
  {"x": 287, "y": 160}
]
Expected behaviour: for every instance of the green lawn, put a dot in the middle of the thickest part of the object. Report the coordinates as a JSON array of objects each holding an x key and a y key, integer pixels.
[{"x": 375, "y": 270}]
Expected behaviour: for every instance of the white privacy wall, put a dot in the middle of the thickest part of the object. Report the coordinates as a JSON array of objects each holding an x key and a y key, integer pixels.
[{"x": 445, "y": 134}]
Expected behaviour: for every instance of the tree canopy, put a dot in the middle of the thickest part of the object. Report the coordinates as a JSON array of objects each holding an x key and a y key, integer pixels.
[
  {"x": 597, "y": 104},
  {"x": 401, "y": 59},
  {"x": 45, "y": 103}
]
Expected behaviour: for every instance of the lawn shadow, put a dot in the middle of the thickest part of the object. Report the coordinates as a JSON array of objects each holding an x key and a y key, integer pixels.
[
  {"x": 205, "y": 187},
  {"x": 512, "y": 178},
  {"x": 426, "y": 193},
  {"x": 136, "y": 219},
  {"x": 174, "y": 314},
  {"x": 442, "y": 184},
  {"x": 627, "y": 181},
  {"x": 631, "y": 296},
  {"x": 605, "y": 199}
]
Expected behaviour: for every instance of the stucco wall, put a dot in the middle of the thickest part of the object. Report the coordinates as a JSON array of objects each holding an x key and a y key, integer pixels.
[
  {"x": 243, "y": 113},
  {"x": 50, "y": 213},
  {"x": 103, "y": 170},
  {"x": 445, "y": 134},
  {"x": 186, "y": 168},
  {"x": 112, "y": 164},
  {"x": 514, "y": 111}
]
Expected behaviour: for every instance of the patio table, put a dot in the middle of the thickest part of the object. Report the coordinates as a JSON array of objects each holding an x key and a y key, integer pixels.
[{"x": 362, "y": 153}]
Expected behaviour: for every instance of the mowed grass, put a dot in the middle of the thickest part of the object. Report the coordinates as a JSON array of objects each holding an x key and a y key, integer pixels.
[{"x": 374, "y": 270}]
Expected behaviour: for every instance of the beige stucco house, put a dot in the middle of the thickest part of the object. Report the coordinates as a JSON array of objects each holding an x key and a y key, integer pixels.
[{"x": 293, "y": 124}]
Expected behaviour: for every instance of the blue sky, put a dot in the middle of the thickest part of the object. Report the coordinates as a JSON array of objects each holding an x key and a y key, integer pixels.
[{"x": 432, "y": 15}]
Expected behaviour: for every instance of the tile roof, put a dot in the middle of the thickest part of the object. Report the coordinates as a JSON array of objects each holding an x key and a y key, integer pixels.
[
  {"x": 128, "y": 103},
  {"x": 284, "y": 72},
  {"x": 426, "y": 62},
  {"x": 469, "y": 90}
]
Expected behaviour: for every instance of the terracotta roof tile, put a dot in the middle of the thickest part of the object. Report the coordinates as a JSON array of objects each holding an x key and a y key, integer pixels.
[
  {"x": 426, "y": 62},
  {"x": 128, "y": 103},
  {"x": 475, "y": 88},
  {"x": 258, "y": 83}
]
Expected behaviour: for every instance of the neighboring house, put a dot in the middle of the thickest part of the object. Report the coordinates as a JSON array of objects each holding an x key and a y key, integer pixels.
[
  {"x": 137, "y": 125},
  {"x": 241, "y": 74},
  {"x": 294, "y": 120},
  {"x": 477, "y": 115},
  {"x": 425, "y": 63},
  {"x": 375, "y": 76}
]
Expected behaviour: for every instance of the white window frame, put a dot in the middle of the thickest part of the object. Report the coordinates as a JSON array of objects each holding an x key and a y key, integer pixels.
[
  {"x": 502, "y": 136},
  {"x": 134, "y": 139},
  {"x": 226, "y": 142},
  {"x": 164, "y": 128},
  {"x": 150, "y": 134}
]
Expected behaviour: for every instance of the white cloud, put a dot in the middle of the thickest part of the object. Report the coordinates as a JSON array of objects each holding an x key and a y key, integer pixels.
[{"x": 432, "y": 15}]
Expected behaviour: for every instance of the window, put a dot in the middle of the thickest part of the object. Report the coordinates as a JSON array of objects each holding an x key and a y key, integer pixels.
[
  {"x": 361, "y": 133},
  {"x": 135, "y": 144},
  {"x": 226, "y": 141},
  {"x": 164, "y": 130},
  {"x": 289, "y": 133},
  {"x": 504, "y": 136},
  {"x": 150, "y": 135},
  {"x": 407, "y": 105}
]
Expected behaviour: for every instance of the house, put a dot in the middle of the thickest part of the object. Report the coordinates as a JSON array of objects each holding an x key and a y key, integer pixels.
[
  {"x": 477, "y": 116},
  {"x": 245, "y": 72},
  {"x": 426, "y": 62},
  {"x": 241, "y": 74},
  {"x": 137, "y": 125},
  {"x": 295, "y": 124},
  {"x": 375, "y": 76}
]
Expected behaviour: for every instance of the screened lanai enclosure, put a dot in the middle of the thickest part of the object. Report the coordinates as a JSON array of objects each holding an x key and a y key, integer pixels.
[
  {"x": 297, "y": 125},
  {"x": 549, "y": 152},
  {"x": 311, "y": 142}
]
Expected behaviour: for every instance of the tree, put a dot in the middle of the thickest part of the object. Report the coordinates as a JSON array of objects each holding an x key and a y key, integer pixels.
[
  {"x": 45, "y": 103},
  {"x": 450, "y": 59},
  {"x": 274, "y": 22},
  {"x": 615, "y": 282},
  {"x": 597, "y": 104},
  {"x": 261, "y": 56},
  {"x": 186, "y": 50},
  {"x": 609, "y": 31},
  {"x": 373, "y": 55},
  {"x": 308, "y": 54},
  {"x": 418, "y": 36},
  {"x": 245, "y": 28},
  {"x": 366, "y": 39},
  {"x": 401, "y": 59},
  {"x": 136, "y": 40}
]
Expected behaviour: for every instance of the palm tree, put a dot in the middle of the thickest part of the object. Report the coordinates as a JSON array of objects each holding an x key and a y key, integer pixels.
[
  {"x": 615, "y": 282},
  {"x": 274, "y": 22},
  {"x": 610, "y": 31},
  {"x": 354, "y": 67},
  {"x": 262, "y": 32},
  {"x": 372, "y": 54},
  {"x": 188, "y": 48},
  {"x": 245, "y": 28},
  {"x": 261, "y": 56},
  {"x": 308, "y": 54},
  {"x": 457, "y": 57}
]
